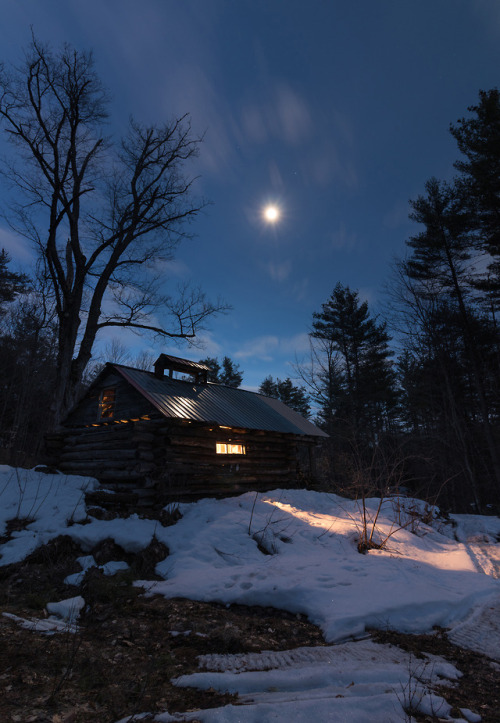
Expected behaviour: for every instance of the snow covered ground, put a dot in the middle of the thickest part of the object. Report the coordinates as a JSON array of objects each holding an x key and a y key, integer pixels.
[{"x": 297, "y": 550}]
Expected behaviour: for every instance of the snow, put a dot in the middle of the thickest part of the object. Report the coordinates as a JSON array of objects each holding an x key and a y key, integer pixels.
[
  {"x": 47, "y": 502},
  {"x": 49, "y": 626},
  {"x": 426, "y": 574},
  {"x": 331, "y": 683},
  {"x": 417, "y": 582},
  {"x": 68, "y": 609},
  {"x": 62, "y": 617},
  {"x": 87, "y": 561}
]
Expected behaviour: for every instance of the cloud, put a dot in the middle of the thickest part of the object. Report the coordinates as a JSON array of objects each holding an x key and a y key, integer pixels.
[
  {"x": 296, "y": 343},
  {"x": 267, "y": 348},
  {"x": 293, "y": 115},
  {"x": 191, "y": 88},
  {"x": 275, "y": 176},
  {"x": 284, "y": 116},
  {"x": 342, "y": 239},
  {"x": 301, "y": 289},
  {"x": 262, "y": 347},
  {"x": 207, "y": 345},
  {"x": 17, "y": 247},
  {"x": 169, "y": 71},
  {"x": 329, "y": 161},
  {"x": 175, "y": 267},
  {"x": 254, "y": 124},
  {"x": 490, "y": 15},
  {"x": 279, "y": 271},
  {"x": 368, "y": 294},
  {"x": 397, "y": 216}
]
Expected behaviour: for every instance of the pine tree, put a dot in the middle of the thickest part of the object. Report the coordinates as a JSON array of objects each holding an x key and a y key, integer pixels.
[
  {"x": 440, "y": 265},
  {"x": 440, "y": 252},
  {"x": 227, "y": 373},
  {"x": 11, "y": 283},
  {"x": 293, "y": 396},
  {"x": 478, "y": 139},
  {"x": 359, "y": 373}
]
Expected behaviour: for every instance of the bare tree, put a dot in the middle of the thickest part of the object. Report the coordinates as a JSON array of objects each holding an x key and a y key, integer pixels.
[{"x": 103, "y": 216}]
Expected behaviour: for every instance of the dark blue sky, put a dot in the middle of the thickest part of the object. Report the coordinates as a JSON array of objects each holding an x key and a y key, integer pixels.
[{"x": 337, "y": 111}]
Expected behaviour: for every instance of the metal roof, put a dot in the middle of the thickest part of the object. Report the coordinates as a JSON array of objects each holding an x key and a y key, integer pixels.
[
  {"x": 217, "y": 404},
  {"x": 167, "y": 360}
]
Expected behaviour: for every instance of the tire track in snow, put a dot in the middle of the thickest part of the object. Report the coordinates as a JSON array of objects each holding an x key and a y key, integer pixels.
[
  {"x": 486, "y": 558},
  {"x": 481, "y": 631},
  {"x": 363, "y": 650}
]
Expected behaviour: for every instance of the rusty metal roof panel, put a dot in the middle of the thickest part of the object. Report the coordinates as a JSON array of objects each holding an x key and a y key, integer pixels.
[{"x": 218, "y": 404}]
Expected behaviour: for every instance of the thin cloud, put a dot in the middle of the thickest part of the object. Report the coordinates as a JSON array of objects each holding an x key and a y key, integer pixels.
[
  {"x": 330, "y": 159},
  {"x": 285, "y": 117},
  {"x": 293, "y": 115},
  {"x": 17, "y": 247},
  {"x": 301, "y": 289},
  {"x": 262, "y": 348},
  {"x": 267, "y": 348},
  {"x": 343, "y": 240},
  {"x": 279, "y": 271},
  {"x": 397, "y": 216},
  {"x": 177, "y": 268},
  {"x": 368, "y": 294}
]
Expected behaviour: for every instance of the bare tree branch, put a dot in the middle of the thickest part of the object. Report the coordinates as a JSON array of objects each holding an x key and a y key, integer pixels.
[{"x": 98, "y": 214}]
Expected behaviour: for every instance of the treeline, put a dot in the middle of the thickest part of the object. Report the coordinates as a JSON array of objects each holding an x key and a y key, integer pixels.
[{"x": 428, "y": 419}]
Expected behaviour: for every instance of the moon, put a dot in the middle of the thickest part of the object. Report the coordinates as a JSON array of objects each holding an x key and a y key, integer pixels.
[{"x": 271, "y": 214}]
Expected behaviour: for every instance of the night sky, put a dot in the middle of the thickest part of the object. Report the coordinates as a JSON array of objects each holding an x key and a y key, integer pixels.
[{"x": 337, "y": 112}]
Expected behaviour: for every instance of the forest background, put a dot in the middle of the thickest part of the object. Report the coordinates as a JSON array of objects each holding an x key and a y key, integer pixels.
[{"x": 409, "y": 400}]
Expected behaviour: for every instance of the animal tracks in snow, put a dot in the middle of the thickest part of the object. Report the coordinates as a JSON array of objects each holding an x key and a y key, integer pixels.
[
  {"x": 326, "y": 581},
  {"x": 246, "y": 584}
]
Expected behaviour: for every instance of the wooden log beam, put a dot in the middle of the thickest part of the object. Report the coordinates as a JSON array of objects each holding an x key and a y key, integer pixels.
[{"x": 98, "y": 453}]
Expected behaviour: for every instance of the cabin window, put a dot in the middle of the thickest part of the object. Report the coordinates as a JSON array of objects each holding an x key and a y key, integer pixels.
[
  {"x": 107, "y": 400},
  {"x": 229, "y": 448}
]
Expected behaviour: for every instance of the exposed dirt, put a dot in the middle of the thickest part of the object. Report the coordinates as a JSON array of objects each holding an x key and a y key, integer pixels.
[
  {"x": 130, "y": 646},
  {"x": 479, "y": 687},
  {"x": 122, "y": 660}
]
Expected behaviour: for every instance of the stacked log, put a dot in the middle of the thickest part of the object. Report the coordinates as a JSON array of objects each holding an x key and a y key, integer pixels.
[
  {"x": 176, "y": 458},
  {"x": 121, "y": 456}
]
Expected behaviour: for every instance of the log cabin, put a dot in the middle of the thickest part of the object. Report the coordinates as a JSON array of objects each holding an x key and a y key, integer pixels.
[{"x": 151, "y": 437}]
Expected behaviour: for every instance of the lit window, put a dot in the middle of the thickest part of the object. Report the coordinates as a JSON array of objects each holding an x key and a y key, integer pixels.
[
  {"x": 107, "y": 404},
  {"x": 223, "y": 448}
]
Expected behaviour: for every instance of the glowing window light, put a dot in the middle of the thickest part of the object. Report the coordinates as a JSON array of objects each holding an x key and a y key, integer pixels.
[
  {"x": 227, "y": 448},
  {"x": 107, "y": 400}
]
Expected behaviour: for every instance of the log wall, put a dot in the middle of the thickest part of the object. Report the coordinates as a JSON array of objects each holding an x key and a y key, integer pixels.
[{"x": 165, "y": 459}]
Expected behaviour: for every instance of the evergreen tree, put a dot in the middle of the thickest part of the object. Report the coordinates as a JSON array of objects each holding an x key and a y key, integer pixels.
[
  {"x": 439, "y": 263},
  {"x": 11, "y": 283},
  {"x": 441, "y": 251},
  {"x": 227, "y": 373},
  {"x": 27, "y": 373},
  {"x": 478, "y": 139},
  {"x": 293, "y": 396},
  {"x": 359, "y": 372}
]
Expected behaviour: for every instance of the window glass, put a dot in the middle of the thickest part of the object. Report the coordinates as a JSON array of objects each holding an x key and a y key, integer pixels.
[
  {"x": 107, "y": 403},
  {"x": 223, "y": 448}
]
